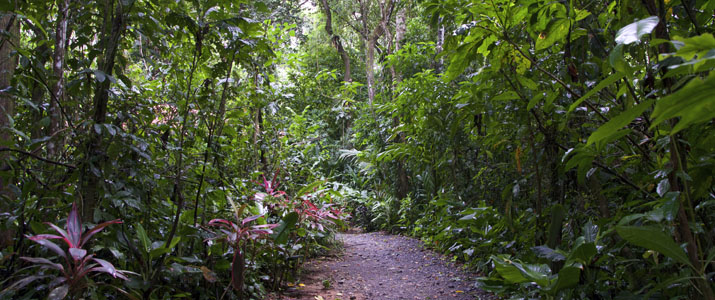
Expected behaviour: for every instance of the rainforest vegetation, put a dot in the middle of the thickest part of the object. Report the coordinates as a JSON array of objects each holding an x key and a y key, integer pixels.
[{"x": 205, "y": 149}]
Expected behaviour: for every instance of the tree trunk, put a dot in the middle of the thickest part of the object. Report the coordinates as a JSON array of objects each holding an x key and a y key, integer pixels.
[
  {"x": 371, "y": 42},
  {"x": 370, "y": 66},
  {"x": 111, "y": 40},
  {"x": 7, "y": 109},
  {"x": 335, "y": 40},
  {"x": 58, "y": 90},
  {"x": 403, "y": 184},
  {"x": 440, "y": 45}
]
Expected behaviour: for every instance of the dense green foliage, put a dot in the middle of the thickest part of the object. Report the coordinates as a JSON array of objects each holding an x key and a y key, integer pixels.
[{"x": 564, "y": 149}]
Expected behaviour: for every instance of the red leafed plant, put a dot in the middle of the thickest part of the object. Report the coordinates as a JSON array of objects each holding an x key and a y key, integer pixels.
[
  {"x": 316, "y": 215},
  {"x": 271, "y": 186},
  {"x": 77, "y": 263},
  {"x": 236, "y": 235}
]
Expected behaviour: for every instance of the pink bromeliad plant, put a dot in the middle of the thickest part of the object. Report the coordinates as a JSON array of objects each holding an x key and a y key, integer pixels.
[{"x": 76, "y": 264}]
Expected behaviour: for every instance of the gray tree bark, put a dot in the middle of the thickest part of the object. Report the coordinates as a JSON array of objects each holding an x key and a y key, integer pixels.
[{"x": 58, "y": 90}]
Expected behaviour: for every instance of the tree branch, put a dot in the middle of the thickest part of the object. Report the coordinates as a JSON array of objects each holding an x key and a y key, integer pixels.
[{"x": 35, "y": 156}]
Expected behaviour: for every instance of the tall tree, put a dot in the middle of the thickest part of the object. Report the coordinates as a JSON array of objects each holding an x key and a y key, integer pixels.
[
  {"x": 8, "y": 41},
  {"x": 335, "y": 40},
  {"x": 115, "y": 24},
  {"x": 371, "y": 34},
  {"x": 58, "y": 70}
]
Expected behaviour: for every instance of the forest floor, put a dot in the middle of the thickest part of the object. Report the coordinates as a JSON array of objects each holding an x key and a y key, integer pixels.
[{"x": 382, "y": 266}]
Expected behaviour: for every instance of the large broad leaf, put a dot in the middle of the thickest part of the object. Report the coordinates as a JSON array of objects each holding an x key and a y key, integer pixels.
[
  {"x": 536, "y": 273},
  {"x": 584, "y": 252},
  {"x": 459, "y": 61},
  {"x": 557, "y": 32},
  {"x": 281, "y": 233},
  {"x": 652, "y": 238},
  {"x": 509, "y": 272},
  {"x": 633, "y": 32},
  {"x": 614, "y": 125},
  {"x": 694, "y": 103},
  {"x": 517, "y": 272},
  {"x": 590, "y": 232},
  {"x": 568, "y": 277},
  {"x": 544, "y": 251}
]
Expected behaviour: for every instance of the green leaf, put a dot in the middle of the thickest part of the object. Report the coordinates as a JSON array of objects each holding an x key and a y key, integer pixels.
[
  {"x": 509, "y": 272},
  {"x": 154, "y": 253},
  {"x": 508, "y": 95},
  {"x": 459, "y": 61},
  {"x": 616, "y": 60},
  {"x": 143, "y": 238},
  {"x": 568, "y": 277},
  {"x": 590, "y": 232},
  {"x": 534, "y": 100},
  {"x": 281, "y": 233},
  {"x": 528, "y": 83},
  {"x": 694, "y": 103},
  {"x": 581, "y": 14},
  {"x": 653, "y": 238},
  {"x": 614, "y": 125},
  {"x": 633, "y": 32},
  {"x": 484, "y": 48},
  {"x": 557, "y": 32},
  {"x": 535, "y": 273},
  {"x": 613, "y": 78},
  {"x": 548, "y": 253},
  {"x": 697, "y": 45},
  {"x": 583, "y": 252},
  {"x": 309, "y": 188}
]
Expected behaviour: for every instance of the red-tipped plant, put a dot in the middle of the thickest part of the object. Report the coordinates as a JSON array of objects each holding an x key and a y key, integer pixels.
[
  {"x": 77, "y": 263},
  {"x": 236, "y": 235}
]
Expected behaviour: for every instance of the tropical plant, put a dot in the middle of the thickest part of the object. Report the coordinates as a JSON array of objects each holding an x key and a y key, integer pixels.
[
  {"x": 238, "y": 235},
  {"x": 77, "y": 263}
]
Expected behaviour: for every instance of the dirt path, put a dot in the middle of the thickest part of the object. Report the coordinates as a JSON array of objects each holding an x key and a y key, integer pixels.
[{"x": 380, "y": 266}]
